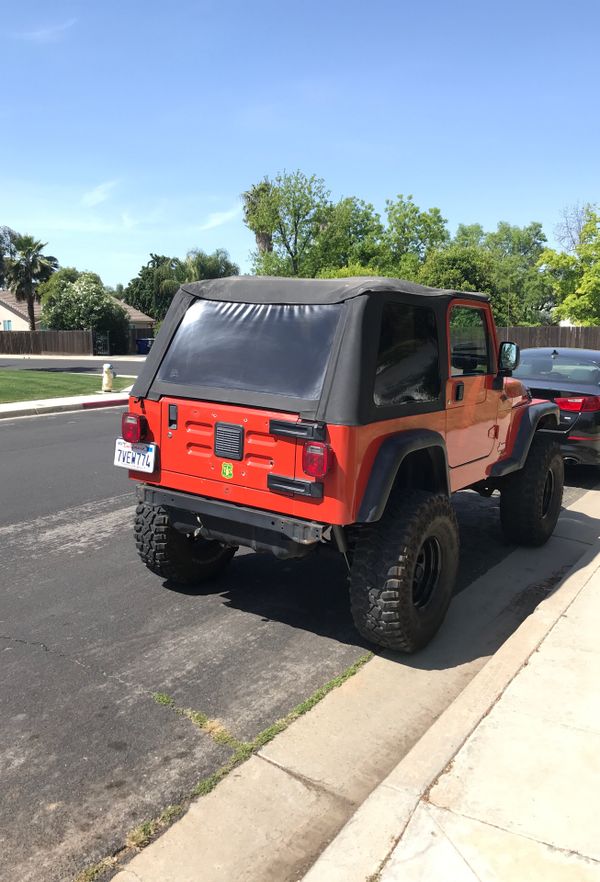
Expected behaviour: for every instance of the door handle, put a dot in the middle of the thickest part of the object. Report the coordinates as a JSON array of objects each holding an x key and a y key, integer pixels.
[
  {"x": 459, "y": 391},
  {"x": 172, "y": 416}
]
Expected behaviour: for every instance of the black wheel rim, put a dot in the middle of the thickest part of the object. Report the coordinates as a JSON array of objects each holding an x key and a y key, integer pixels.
[
  {"x": 548, "y": 493},
  {"x": 427, "y": 571}
]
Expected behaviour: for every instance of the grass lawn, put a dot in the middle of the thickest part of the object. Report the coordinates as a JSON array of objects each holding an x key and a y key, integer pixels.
[{"x": 29, "y": 385}]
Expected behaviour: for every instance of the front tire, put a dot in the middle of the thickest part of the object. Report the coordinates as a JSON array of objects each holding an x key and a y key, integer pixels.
[
  {"x": 531, "y": 499},
  {"x": 173, "y": 555},
  {"x": 403, "y": 571}
]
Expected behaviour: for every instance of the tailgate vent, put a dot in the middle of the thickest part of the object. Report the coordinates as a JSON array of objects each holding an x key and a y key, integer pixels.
[{"x": 229, "y": 441}]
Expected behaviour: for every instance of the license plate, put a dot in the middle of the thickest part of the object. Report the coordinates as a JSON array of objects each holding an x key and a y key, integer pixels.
[{"x": 137, "y": 457}]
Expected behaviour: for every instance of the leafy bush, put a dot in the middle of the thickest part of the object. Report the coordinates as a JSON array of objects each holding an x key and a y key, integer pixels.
[{"x": 83, "y": 304}]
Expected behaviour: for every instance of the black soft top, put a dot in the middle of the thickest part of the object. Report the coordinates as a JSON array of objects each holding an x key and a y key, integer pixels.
[
  {"x": 346, "y": 397},
  {"x": 270, "y": 289}
]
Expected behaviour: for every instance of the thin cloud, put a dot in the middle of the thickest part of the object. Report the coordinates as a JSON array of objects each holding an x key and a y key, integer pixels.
[
  {"x": 128, "y": 222},
  {"x": 49, "y": 34},
  {"x": 219, "y": 218},
  {"x": 98, "y": 194}
]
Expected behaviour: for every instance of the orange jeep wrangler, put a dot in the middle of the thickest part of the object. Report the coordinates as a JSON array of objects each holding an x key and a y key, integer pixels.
[{"x": 287, "y": 415}]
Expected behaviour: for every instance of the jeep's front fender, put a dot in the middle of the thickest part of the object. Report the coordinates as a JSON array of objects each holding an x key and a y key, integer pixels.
[
  {"x": 520, "y": 441},
  {"x": 388, "y": 461}
]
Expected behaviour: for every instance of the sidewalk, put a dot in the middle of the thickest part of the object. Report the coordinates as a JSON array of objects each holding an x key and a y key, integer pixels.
[
  {"x": 60, "y": 405},
  {"x": 510, "y": 793}
]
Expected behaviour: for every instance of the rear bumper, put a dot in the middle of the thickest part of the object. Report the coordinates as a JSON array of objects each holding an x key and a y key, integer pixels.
[
  {"x": 235, "y": 524},
  {"x": 583, "y": 451}
]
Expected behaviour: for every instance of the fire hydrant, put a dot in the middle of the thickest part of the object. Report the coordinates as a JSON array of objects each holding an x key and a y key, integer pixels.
[{"x": 108, "y": 376}]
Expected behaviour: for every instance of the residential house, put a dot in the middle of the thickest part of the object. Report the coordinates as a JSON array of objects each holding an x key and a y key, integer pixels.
[{"x": 13, "y": 313}]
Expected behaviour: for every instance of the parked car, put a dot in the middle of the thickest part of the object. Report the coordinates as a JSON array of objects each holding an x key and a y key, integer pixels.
[
  {"x": 291, "y": 415},
  {"x": 570, "y": 378}
]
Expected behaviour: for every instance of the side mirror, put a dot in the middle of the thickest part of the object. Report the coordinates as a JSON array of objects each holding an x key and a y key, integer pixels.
[{"x": 509, "y": 357}]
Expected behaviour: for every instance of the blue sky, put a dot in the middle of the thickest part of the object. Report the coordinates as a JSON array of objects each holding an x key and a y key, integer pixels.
[{"x": 132, "y": 127}]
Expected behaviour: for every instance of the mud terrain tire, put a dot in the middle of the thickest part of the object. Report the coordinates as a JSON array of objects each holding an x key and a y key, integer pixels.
[
  {"x": 173, "y": 555},
  {"x": 531, "y": 499},
  {"x": 403, "y": 571}
]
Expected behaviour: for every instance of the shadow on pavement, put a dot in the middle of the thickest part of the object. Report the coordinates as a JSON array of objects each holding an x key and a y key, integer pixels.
[{"x": 311, "y": 594}]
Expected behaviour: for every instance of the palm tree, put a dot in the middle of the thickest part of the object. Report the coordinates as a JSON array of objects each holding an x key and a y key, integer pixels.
[
  {"x": 171, "y": 272},
  {"x": 27, "y": 269},
  {"x": 257, "y": 214}
]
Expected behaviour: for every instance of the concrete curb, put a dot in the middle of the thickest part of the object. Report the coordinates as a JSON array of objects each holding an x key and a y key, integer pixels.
[
  {"x": 361, "y": 848},
  {"x": 40, "y": 409}
]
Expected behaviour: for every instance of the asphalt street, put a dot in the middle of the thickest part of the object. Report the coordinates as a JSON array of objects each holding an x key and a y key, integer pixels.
[
  {"x": 72, "y": 365},
  {"x": 87, "y": 636}
]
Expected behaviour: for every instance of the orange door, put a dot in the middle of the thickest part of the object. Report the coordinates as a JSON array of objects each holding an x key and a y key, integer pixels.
[
  {"x": 228, "y": 444},
  {"x": 471, "y": 400}
]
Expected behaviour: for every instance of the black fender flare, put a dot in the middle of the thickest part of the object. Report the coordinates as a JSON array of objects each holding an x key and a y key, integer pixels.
[
  {"x": 388, "y": 460},
  {"x": 528, "y": 426}
]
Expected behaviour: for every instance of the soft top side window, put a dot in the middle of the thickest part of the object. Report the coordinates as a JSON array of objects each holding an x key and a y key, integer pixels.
[
  {"x": 408, "y": 369},
  {"x": 469, "y": 341}
]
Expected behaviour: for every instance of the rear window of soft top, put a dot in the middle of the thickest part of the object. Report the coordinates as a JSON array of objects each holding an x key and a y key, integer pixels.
[{"x": 256, "y": 347}]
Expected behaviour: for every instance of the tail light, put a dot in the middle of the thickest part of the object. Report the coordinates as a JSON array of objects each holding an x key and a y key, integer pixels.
[
  {"x": 317, "y": 459},
  {"x": 579, "y": 403},
  {"x": 133, "y": 427}
]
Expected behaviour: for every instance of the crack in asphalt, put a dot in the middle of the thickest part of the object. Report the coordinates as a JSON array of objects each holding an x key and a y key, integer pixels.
[{"x": 37, "y": 644}]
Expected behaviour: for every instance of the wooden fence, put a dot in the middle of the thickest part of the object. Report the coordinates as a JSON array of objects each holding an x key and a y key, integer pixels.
[
  {"x": 81, "y": 342},
  {"x": 46, "y": 343},
  {"x": 136, "y": 334},
  {"x": 551, "y": 335}
]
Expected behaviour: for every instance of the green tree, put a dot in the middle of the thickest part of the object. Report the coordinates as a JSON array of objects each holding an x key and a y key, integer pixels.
[
  {"x": 347, "y": 272},
  {"x": 7, "y": 249},
  {"x": 83, "y": 304},
  {"x": 27, "y": 269},
  {"x": 288, "y": 212},
  {"x": 256, "y": 218},
  {"x": 526, "y": 243},
  {"x": 460, "y": 268},
  {"x": 156, "y": 283},
  {"x": 200, "y": 265},
  {"x": 350, "y": 233},
  {"x": 572, "y": 221},
  {"x": 197, "y": 265},
  {"x": 575, "y": 278},
  {"x": 152, "y": 291},
  {"x": 58, "y": 281},
  {"x": 469, "y": 234},
  {"x": 118, "y": 292},
  {"x": 411, "y": 231},
  {"x": 523, "y": 295}
]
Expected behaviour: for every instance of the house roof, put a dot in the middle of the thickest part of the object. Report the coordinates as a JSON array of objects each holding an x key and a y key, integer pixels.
[
  {"x": 19, "y": 307},
  {"x": 133, "y": 314}
]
